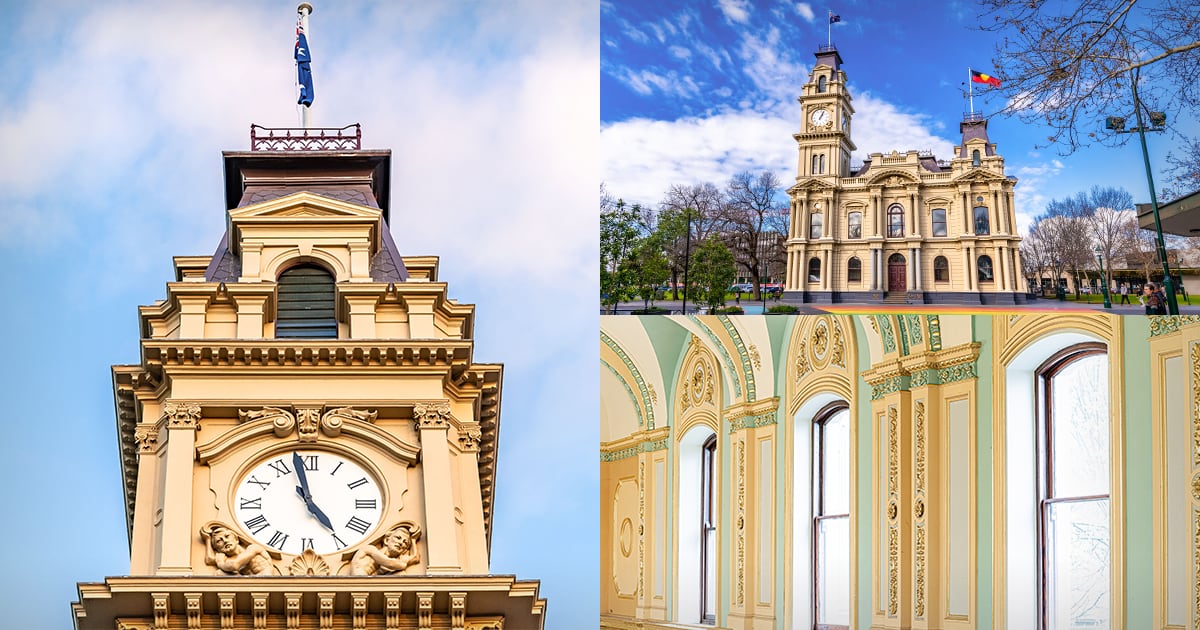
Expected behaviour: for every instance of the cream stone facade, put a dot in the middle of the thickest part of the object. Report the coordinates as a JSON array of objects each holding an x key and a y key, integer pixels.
[
  {"x": 888, "y": 471},
  {"x": 905, "y": 226},
  {"x": 308, "y": 450}
]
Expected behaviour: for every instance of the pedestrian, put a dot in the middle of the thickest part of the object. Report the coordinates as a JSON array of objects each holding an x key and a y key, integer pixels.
[
  {"x": 1156, "y": 303},
  {"x": 1125, "y": 294}
]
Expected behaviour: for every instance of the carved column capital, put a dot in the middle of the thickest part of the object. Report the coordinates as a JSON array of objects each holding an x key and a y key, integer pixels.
[
  {"x": 146, "y": 438},
  {"x": 469, "y": 438},
  {"x": 432, "y": 415},
  {"x": 182, "y": 415}
]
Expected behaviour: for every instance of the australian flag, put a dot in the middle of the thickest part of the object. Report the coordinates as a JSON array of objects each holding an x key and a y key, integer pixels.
[{"x": 303, "y": 69}]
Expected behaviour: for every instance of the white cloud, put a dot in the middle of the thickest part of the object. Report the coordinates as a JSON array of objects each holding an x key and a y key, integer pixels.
[
  {"x": 679, "y": 52},
  {"x": 735, "y": 10},
  {"x": 805, "y": 11},
  {"x": 641, "y": 158},
  {"x": 1029, "y": 197}
]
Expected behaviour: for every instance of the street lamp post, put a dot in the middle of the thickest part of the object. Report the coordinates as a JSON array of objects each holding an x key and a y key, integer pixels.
[
  {"x": 1158, "y": 120},
  {"x": 1103, "y": 279}
]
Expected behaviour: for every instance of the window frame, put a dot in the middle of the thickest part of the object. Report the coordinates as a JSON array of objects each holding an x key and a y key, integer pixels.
[
  {"x": 708, "y": 522},
  {"x": 854, "y": 225},
  {"x": 991, "y": 269},
  {"x": 944, "y": 266},
  {"x": 1043, "y": 453},
  {"x": 816, "y": 225},
  {"x": 895, "y": 221},
  {"x": 981, "y": 221},
  {"x": 814, "y": 263},
  {"x": 820, "y": 420},
  {"x": 935, "y": 222},
  {"x": 854, "y": 269}
]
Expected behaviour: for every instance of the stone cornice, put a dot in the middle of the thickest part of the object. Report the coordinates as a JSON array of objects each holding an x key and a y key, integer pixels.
[
  {"x": 428, "y": 354},
  {"x": 1170, "y": 324},
  {"x": 640, "y": 442},
  {"x": 753, "y": 414},
  {"x": 923, "y": 368}
]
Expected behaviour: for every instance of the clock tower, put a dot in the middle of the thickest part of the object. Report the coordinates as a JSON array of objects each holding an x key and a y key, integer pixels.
[
  {"x": 824, "y": 138},
  {"x": 308, "y": 440}
]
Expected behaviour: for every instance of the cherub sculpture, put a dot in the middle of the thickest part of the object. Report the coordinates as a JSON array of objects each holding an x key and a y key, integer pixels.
[
  {"x": 229, "y": 552},
  {"x": 393, "y": 554}
]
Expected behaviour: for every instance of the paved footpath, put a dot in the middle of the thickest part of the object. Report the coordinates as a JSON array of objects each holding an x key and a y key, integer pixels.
[{"x": 1034, "y": 306}]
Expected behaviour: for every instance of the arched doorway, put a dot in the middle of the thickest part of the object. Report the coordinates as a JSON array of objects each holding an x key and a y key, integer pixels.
[{"x": 896, "y": 273}]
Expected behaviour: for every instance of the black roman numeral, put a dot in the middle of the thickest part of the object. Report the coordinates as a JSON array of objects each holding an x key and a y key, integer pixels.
[
  {"x": 355, "y": 484},
  {"x": 280, "y": 468},
  {"x": 278, "y": 540},
  {"x": 306, "y": 543},
  {"x": 250, "y": 504},
  {"x": 335, "y": 468},
  {"x": 358, "y": 525},
  {"x": 340, "y": 543},
  {"x": 364, "y": 504},
  {"x": 257, "y": 524},
  {"x": 260, "y": 484},
  {"x": 310, "y": 462}
]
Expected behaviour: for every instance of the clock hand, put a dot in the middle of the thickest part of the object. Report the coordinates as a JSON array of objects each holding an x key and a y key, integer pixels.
[
  {"x": 303, "y": 487},
  {"x": 306, "y": 494}
]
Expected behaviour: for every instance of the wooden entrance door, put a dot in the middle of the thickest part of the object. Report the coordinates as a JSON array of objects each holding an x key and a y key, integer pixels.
[{"x": 896, "y": 273}]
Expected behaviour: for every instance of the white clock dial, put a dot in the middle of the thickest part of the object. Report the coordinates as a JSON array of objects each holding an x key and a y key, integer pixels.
[
  {"x": 344, "y": 502},
  {"x": 819, "y": 117}
]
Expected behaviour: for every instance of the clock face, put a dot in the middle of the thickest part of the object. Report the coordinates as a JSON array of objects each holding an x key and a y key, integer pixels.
[
  {"x": 819, "y": 117},
  {"x": 344, "y": 502}
]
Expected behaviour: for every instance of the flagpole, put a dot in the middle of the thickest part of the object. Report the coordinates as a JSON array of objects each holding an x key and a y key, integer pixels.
[
  {"x": 305, "y": 9},
  {"x": 829, "y": 28},
  {"x": 971, "y": 89}
]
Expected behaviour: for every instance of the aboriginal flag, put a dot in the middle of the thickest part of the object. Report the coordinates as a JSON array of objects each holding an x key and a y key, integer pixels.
[{"x": 979, "y": 77}]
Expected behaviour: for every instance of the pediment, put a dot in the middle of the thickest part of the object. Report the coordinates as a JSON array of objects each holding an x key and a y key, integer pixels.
[
  {"x": 979, "y": 176},
  {"x": 303, "y": 205},
  {"x": 811, "y": 185},
  {"x": 893, "y": 177}
]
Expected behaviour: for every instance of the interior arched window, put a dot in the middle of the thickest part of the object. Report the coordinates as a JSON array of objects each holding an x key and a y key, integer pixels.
[
  {"x": 854, "y": 270},
  {"x": 815, "y": 225},
  {"x": 854, "y": 225},
  {"x": 814, "y": 269},
  {"x": 981, "y": 221},
  {"x": 821, "y": 83},
  {"x": 831, "y": 517},
  {"x": 985, "y": 269},
  {"x": 975, "y": 161},
  {"x": 708, "y": 533},
  {"x": 939, "y": 222},
  {"x": 306, "y": 306},
  {"x": 941, "y": 269},
  {"x": 895, "y": 219},
  {"x": 1073, "y": 488}
]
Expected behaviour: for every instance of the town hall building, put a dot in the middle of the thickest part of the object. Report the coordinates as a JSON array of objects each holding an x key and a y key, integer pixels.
[{"x": 905, "y": 227}]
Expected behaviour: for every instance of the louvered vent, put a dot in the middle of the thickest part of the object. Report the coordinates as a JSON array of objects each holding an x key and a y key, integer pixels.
[{"x": 306, "y": 304}]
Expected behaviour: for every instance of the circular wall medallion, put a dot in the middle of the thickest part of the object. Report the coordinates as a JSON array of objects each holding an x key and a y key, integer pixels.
[
  {"x": 892, "y": 510},
  {"x": 919, "y": 508},
  {"x": 698, "y": 384},
  {"x": 626, "y": 537}
]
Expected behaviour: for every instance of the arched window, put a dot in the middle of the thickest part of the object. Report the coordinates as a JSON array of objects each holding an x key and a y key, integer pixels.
[
  {"x": 854, "y": 270},
  {"x": 815, "y": 225},
  {"x": 975, "y": 161},
  {"x": 854, "y": 225},
  {"x": 708, "y": 532},
  {"x": 821, "y": 83},
  {"x": 895, "y": 219},
  {"x": 306, "y": 304},
  {"x": 814, "y": 269},
  {"x": 697, "y": 516},
  {"x": 941, "y": 269},
  {"x": 981, "y": 220},
  {"x": 985, "y": 269},
  {"x": 939, "y": 222},
  {"x": 831, "y": 516},
  {"x": 1073, "y": 488},
  {"x": 818, "y": 164}
]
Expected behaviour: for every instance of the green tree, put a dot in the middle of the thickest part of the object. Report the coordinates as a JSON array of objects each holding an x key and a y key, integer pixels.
[
  {"x": 619, "y": 232},
  {"x": 713, "y": 271},
  {"x": 650, "y": 267}
]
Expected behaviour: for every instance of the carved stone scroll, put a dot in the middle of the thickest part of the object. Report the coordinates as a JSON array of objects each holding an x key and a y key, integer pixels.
[
  {"x": 282, "y": 420},
  {"x": 331, "y": 422}
]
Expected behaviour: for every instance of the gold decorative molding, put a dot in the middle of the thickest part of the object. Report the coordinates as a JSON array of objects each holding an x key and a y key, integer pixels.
[
  {"x": 641, "y": 587},
  {"x": 741, "y": 522},
  {"x": 919, "y": 588},
  {"x": 893, "y": 510}
]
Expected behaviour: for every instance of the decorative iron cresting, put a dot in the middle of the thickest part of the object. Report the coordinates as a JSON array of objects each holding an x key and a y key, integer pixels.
[{"x": 348, "y": 138}]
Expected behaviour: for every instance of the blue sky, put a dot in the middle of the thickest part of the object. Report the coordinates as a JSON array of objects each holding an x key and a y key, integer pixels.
[
  {"x": 113, "y": 117},
  {"x": 698, "y": 91}
]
